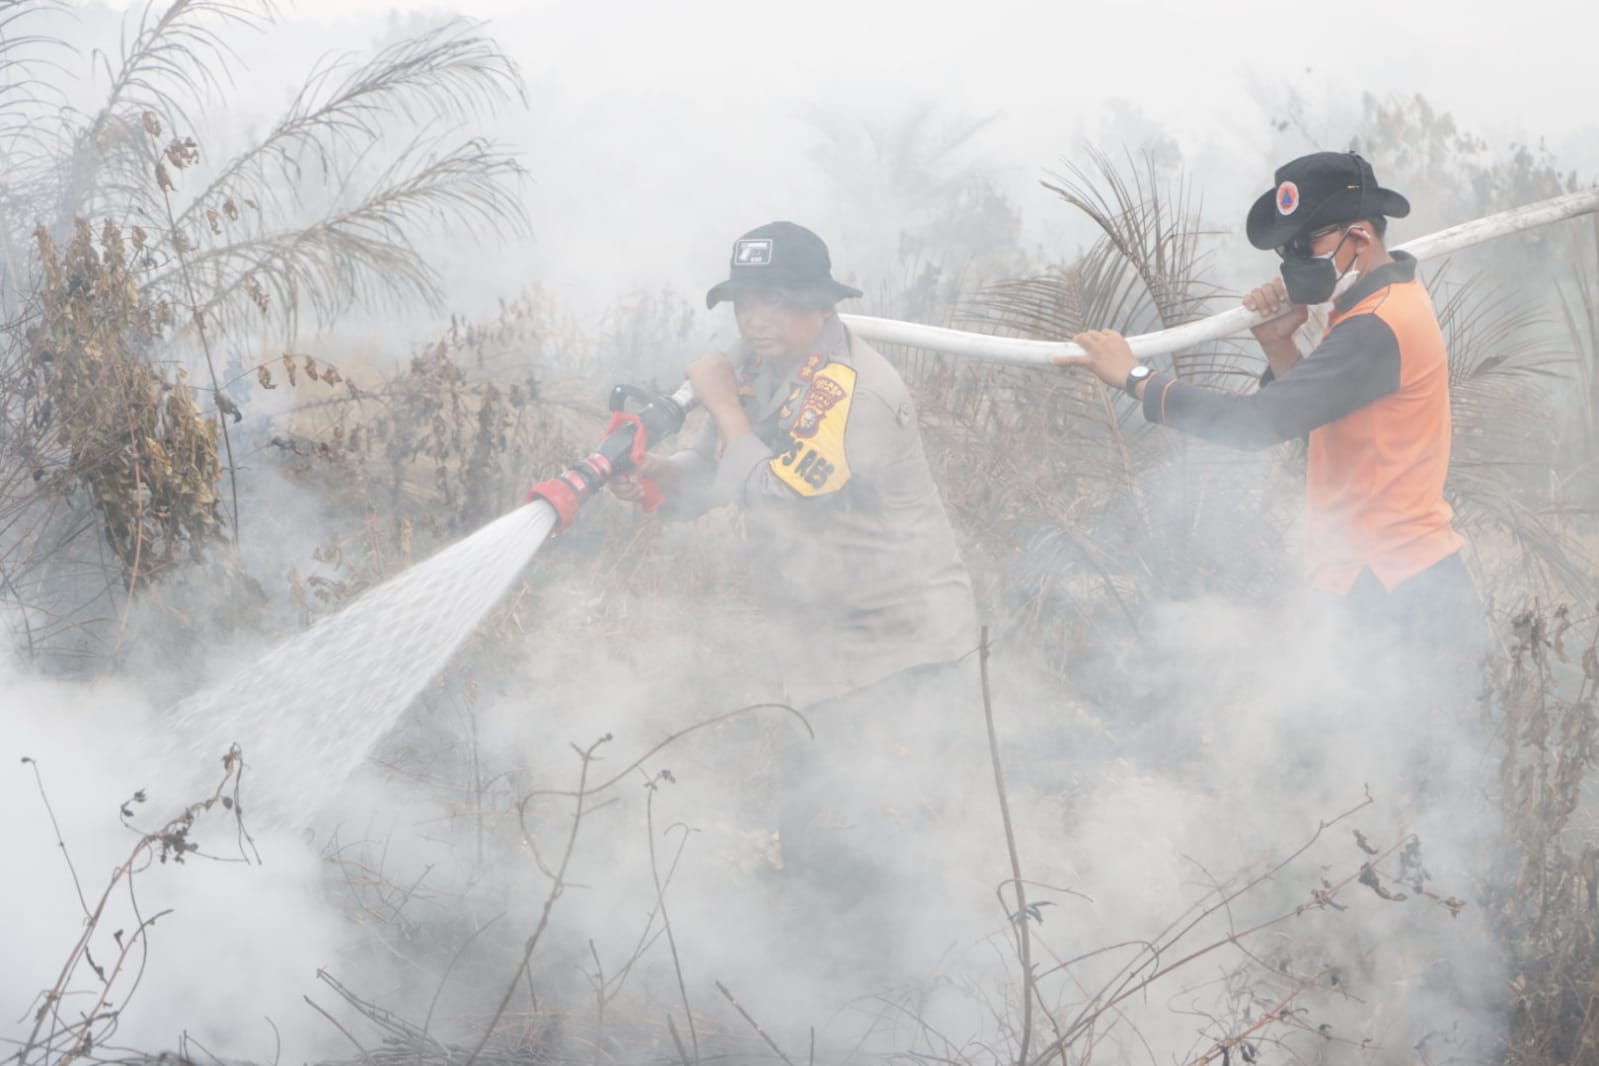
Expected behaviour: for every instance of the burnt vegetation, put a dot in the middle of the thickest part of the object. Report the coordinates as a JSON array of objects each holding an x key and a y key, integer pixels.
[{"x": 136, "y": 272}]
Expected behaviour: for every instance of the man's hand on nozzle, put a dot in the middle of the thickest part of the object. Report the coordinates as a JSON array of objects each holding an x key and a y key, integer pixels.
[
  {"x": 716, "y": 388},
  {"x": 1269, "y": 299},
  {"x": 629, "y": 487}
]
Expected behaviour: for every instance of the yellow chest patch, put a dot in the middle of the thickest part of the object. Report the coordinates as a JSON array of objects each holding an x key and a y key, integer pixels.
[{"x": 813, "y": 462}]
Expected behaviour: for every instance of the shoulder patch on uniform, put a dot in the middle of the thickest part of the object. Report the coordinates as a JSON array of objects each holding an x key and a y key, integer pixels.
[{"x": 813, "y": 462}]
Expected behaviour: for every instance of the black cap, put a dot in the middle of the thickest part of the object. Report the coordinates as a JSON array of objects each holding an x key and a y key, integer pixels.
[
  {"x": 781, "y": 257},
  {"x": 1321, "y": 189}
]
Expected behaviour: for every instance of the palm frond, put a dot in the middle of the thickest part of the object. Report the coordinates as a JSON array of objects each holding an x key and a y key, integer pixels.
[
  {"x": 176, "y": 59},
  {"x": 217, "y": 260},
  {"x": 27, "y": 59},
  {"x": 1101, "y": 511},
  {"x": 1499, "y": 359},
  {"x": 1578, "y": 295},
  {"x": 1492, "y": 336},
  {"x": 1155, "y": 231},
  {"x": 442, "y": 76},
  {"x": 1141, "y": 274},
  {"x": 1502, "y": 471},
  {"x": 30, "y": 97},
  {"x": 1153, "y": 239},
  {"x": 362, "y": 254}
]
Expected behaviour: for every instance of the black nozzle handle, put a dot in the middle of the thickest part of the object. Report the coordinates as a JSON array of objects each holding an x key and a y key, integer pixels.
[{"x": 658, "y": 416}]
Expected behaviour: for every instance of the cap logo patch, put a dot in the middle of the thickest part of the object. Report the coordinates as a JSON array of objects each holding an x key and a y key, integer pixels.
[
  {"x": 753, "y": 252},
  {"x": 1287, "y": 198}
]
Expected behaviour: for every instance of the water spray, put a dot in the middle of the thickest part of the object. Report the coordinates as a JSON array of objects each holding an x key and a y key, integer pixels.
[{"x": 308, "y": 713}]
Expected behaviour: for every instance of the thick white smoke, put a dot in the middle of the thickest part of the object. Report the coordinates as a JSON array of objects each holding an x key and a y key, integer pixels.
[
  {"x": 247, "y": 927},
  {"x": 650, "y": 149}
]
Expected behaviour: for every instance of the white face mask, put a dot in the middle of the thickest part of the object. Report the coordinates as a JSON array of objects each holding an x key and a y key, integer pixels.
[
  {"x": 1346, "y": 282},
  {"x": 1351, "y": 276}
]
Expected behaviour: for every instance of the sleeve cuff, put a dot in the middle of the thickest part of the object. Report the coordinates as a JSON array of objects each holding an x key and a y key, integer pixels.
[
  {"x": 696, "y": 473},
  {"x": 1155, "y": 397},
  {"x": 694, "y": 463},
  {"x": 744, "y": 453}
]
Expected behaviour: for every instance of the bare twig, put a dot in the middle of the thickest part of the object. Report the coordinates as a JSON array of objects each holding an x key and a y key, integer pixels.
[
  {"x": 427, "y": 1020},
  {"x": 56, "y": 826},
  {"x": 1129, "y": 987},
  {"x": 96, "y": 1023},
  {"x": 677, "y": 1041},
  {"x": 335, "y": 1023},
  {"x": 666, "y": 921},
  {"x": 556, "y": 889},
  {"x": 599, "y": 1002},
  {"x": 672, "y": 739},
  {"x": 1275, "y": 1013},
  {"x": 217, "y": 394},
  {"x": 753, "y": 1023},
  {"x": 1019, "y": 920}
]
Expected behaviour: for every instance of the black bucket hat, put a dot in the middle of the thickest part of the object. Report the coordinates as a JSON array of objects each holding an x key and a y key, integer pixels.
[
  {"x": 1321, "y": 189},
  {"x": 781, "y": 257}
]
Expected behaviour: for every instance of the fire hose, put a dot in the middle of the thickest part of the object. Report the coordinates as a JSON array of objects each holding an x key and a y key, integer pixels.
[
  {"x": 331, "y": 691},
  {"x": 631, "y": 433},
  {"x": 1168, "y": 341}
]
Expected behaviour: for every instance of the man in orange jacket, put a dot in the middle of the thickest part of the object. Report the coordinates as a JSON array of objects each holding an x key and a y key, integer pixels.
[{"x": 1373, "y": 398}]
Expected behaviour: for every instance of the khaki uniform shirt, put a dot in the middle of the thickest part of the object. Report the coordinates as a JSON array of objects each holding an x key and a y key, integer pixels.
[{"x": 853, "y": 559}]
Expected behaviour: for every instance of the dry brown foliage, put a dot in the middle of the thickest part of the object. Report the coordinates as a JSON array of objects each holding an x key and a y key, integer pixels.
[
  {"x": 126, "y": 429},
  {"x": 1549, "y": 902},
  {"x": 1075, "y": 516}
]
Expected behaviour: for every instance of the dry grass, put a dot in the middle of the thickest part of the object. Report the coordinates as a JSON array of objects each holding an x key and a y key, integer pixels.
[
  {"x": 1075, "y": 516},
  {"x": 1549, "y": 905},
  {"x": 102, "y": 427}
]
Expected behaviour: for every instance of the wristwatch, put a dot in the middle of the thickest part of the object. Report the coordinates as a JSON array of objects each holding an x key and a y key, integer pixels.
[{"x": 1134, "y": 376}]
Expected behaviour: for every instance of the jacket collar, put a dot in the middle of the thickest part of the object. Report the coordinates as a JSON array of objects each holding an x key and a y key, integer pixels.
[
  {"x": 1402, "y": 269},
  {"x": 767, "y": 395}
]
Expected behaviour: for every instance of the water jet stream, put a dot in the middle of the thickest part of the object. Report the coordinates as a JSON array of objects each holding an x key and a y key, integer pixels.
[{"x": 308, "y": 712}]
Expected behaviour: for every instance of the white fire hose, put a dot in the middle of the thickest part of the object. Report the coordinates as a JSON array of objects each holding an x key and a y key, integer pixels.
[{"x": 1227, "y": 323}]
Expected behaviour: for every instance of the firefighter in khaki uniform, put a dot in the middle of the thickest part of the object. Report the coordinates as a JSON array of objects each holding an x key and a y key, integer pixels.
[
  {"x": 1373, "y": 397},
  {"x": 869, "y": 607}
]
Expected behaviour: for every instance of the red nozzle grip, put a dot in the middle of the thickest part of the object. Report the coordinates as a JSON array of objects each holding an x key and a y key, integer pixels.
[
  {"x": 640, "y": 440},
  {"x": 653, "y": 496}
]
